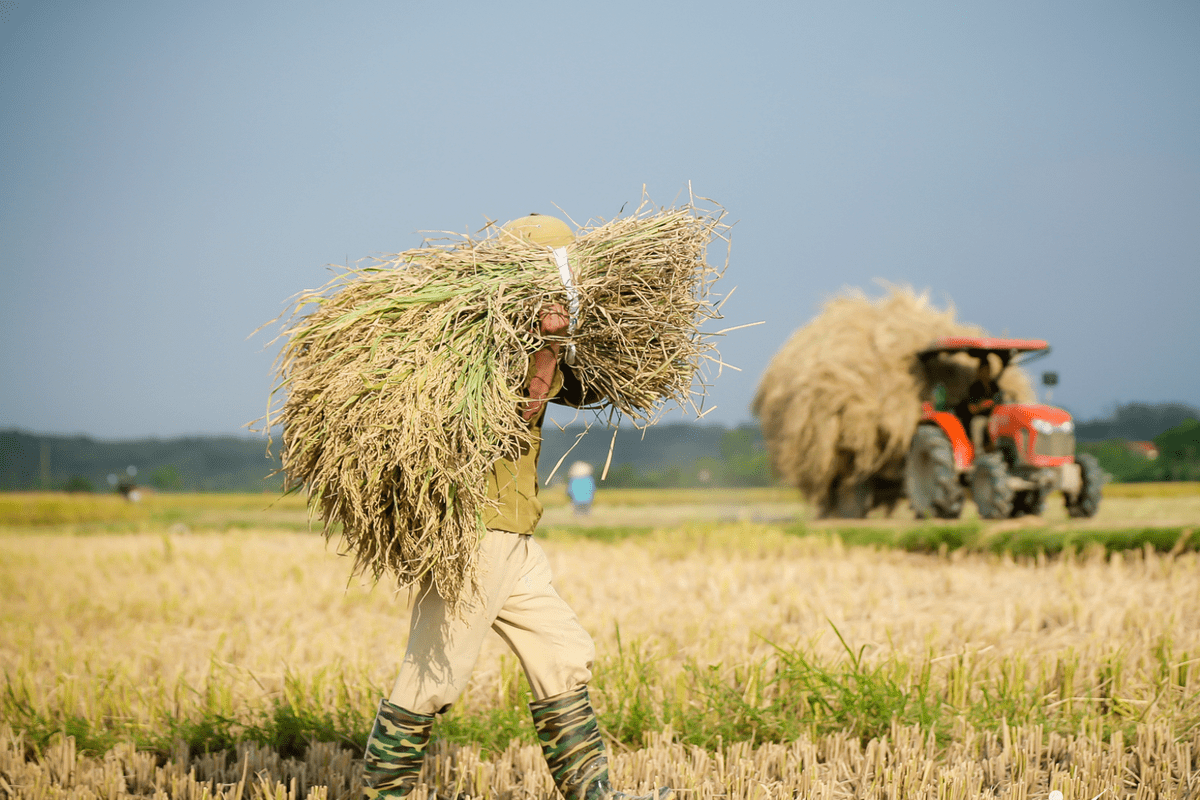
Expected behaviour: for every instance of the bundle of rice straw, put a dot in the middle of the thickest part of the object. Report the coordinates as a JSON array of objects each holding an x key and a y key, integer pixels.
[
  {"x": 839, "y": 402},
  {"x": 403, "y": 380}
]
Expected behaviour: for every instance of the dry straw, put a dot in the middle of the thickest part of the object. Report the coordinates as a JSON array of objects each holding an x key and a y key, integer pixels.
[
  {"x": 1157, "y": 760},
  {"x": 402, "y": 381},
  {"x": 839, "y": 402}
]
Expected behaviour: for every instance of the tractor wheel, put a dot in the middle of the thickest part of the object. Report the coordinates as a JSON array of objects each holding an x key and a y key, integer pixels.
[
  {"x": 1029, "y": 501},
  {"x": 989, "y": 486},
  {"x": 929, "y": 477},
  {"x": 1087, "y": 502}
]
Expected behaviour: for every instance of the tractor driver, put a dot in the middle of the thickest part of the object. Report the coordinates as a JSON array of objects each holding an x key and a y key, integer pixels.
[{"x": 982, "y": 396}]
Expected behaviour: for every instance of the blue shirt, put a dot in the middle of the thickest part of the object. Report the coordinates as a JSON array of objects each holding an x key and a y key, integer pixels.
[{"x": 581, "y": 490}]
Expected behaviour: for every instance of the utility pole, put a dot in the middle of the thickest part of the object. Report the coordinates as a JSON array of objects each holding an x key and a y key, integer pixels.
[{"x": 1049, "y": 380}]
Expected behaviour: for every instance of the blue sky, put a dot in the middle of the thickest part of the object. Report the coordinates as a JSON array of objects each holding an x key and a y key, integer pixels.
[{"x": 171, "y": 173}]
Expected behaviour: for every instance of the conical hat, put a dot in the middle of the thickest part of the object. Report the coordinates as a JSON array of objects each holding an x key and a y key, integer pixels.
[
  {"x": 579, "y": 469},
  {"x": 541, "y": 229}
]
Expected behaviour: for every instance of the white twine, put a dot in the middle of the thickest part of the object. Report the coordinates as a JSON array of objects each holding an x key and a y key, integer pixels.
[{"x": 568, "y": 281}]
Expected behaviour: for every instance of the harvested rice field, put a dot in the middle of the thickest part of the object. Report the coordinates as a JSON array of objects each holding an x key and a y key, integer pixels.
[{"x": 194, "y": 646}]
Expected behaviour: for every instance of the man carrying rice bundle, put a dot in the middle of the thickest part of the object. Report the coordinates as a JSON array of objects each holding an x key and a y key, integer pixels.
[
  {"x": 415, "y": 395},
  {"x": 516, "y": 599}
]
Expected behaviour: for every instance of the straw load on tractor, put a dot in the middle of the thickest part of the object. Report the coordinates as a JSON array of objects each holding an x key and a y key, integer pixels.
[
  {"x": 840, "y": 402},
  {"x": 401, "y": 383}
]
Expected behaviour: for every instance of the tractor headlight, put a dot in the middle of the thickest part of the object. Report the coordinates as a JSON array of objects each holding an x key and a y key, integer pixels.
[
  {"x": 1042, "y": 426},
  {"x": 1067, "y": 427}
]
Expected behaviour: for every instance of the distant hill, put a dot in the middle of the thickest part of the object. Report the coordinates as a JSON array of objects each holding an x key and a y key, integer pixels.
[
  {"x": 1136, "y": 422},
  {"x": 197, "y": 463},
  {"x": 656, "y": 449},
  {"x": 672, "y": 454},
  {"x": 678, "y": 454},
  {"x": 1174, "y": 455}
]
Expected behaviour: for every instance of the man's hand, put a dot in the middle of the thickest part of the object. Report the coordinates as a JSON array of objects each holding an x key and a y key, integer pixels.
[
  {"x": 981, "y": 406},
  {"x": 554, "y": 320}
]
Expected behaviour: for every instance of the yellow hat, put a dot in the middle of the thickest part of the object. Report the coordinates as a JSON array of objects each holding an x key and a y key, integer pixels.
[{"x": 541, "y": 229}]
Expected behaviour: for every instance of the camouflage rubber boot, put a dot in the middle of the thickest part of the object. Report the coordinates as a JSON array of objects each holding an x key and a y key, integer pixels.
[
  {"x": 570, "y": 738},
  {"x": 395, "y": 751}
]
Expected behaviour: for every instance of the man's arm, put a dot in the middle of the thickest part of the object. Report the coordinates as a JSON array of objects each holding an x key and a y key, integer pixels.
[
  {"x": 554, "y": 321},
  {"x": 982, "y": 398},
  {"x": 983, "y": 406}
]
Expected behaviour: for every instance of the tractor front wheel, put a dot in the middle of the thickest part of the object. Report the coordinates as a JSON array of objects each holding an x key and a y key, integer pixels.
[
  {"x": 929, "y": 476},
  {"x": 990, "y": 488},
  {"x": 1087, "y": 502}
]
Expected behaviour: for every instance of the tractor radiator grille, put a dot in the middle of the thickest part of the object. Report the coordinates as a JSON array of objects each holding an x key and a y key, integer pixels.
[{"x": 1058, "y": 443}]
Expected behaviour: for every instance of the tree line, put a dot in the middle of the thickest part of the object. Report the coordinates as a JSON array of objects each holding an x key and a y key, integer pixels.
[{"x": 662, "y": 456}]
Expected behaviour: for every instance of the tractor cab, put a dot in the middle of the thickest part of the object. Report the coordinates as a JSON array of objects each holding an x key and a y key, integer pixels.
[
  {"x": 975, "y": 405},
  {"x": 1009, "y": 455}
]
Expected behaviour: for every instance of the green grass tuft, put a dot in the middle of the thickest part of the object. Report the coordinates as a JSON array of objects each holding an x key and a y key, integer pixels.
[
  {"x": 1024, "y": 542},
  {"x": 604, "y": 534}
]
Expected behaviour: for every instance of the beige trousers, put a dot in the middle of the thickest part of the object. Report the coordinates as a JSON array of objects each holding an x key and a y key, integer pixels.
[{"x": 516, "y": 601}]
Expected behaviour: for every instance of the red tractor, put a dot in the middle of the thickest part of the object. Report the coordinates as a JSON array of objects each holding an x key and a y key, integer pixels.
[{"x": 1019, "y": 454}]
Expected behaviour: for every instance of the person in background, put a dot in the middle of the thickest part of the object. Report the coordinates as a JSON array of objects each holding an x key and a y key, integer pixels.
[
  {"x": 982, "y": 396},
  {"x": 581, "y": 487}
]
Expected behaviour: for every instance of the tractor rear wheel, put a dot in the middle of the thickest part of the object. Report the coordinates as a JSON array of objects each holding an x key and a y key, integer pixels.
[
  {"x": 929, "y": 476},
  {"x": 1087, "y": 502},
  {"x": 989, "y": 486}
]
